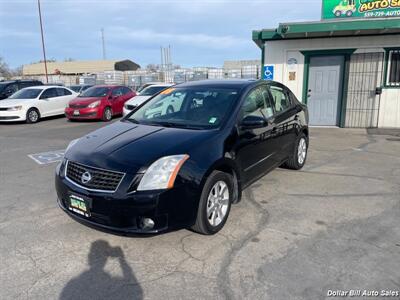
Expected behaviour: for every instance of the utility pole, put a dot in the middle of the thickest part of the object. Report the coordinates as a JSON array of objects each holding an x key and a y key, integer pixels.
[
  {"x": 104, "y": 44},
  {"x": 43, "y": 47}
]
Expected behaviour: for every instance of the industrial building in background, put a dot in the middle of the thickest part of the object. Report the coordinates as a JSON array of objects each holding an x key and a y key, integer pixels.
[
  {"x": 129, "y": 73},
  {"x": 346, "y": 68}
]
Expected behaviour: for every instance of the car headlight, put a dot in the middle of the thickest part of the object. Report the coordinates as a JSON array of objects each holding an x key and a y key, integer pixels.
[
  {"x": 94, "y": 104},
  {"x": 162, "y": 173},
  {"x": 15, "y": 108},
  {"x": 73, "y": 142}
]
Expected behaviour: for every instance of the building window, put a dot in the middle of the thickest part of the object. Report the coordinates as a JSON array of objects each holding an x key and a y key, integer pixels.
[{"x": 393, "y": 78}]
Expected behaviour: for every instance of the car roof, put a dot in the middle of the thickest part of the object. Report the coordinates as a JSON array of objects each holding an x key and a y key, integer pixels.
[
  {"x": 108, "y": 85},
  {"x": 19, "y": 80},
  {"x": 159, "y": 85},
  {"x": 223, "y": 83},
  {"x": 44, "y": 87}
]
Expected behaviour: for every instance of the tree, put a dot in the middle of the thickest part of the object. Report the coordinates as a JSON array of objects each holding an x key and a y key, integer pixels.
[
  {"x": 152, "y": 67},
  {"x": 4, "y": 69}
]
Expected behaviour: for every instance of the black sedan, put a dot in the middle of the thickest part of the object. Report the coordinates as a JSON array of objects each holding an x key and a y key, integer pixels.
[{"x": 183, "y": 157}]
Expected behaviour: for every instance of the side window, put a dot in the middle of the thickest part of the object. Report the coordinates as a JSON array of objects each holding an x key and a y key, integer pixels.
[
  {"x": 63, "y": 92},
  {"x": 257, "y": 103},
  {"x": 49, "y": 93},
  {"x": 25, "y": 84},
  {"x": 280, "y": 98},
  {"x": 117, "y": 92},
  {"x": 126, "y": 90},
  {"x": 12, "y": 88}
]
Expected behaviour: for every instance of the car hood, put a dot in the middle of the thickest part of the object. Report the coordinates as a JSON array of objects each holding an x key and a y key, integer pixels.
[
  {"x": 128, "y": 147},
  {"x": 84, "y": 100},
  {"x": 13, "y": 102},
  {"x": 137, "y": 100}
]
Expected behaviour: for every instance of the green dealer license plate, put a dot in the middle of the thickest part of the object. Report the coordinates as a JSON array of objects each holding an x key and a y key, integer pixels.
[{"x": 79, "y": 205}]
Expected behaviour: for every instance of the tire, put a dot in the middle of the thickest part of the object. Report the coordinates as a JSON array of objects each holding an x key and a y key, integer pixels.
[
  {"x": 107, "y": 114},
  {"x": 32, "y": 116},
  {"x": 338, "y": 13},
  {"x": 208, "y": 220},
  {"x": 170, "y": 110},
  {"x": 298, "y": 158}
]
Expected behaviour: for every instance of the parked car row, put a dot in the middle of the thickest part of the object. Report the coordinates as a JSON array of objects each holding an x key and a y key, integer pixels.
[{"x": 100, "y": 102}]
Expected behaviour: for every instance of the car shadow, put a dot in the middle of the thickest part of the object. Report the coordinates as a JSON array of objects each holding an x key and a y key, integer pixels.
[
  {"x": 96, "y": 283},
  {"x": 41, "y": 120}
]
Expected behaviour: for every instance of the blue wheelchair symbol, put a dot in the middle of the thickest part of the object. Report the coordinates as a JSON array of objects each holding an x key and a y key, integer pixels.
[{"x": 268, "y": 73}]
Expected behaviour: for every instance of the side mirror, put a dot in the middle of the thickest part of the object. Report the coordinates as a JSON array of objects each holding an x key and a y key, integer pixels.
[
  {"x": 110, "y": 97},
  {"x": 253, "y": 122}
]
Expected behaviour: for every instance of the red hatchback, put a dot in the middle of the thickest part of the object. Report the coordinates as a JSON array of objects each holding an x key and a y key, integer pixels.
[{"x": 100, "y": 102}]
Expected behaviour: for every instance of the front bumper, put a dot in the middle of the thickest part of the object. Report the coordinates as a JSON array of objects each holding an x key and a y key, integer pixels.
[
  {"x": 123, "y": 212},
  {"x": 84, "y": 113},
  {"x": 12, "y": 116}
]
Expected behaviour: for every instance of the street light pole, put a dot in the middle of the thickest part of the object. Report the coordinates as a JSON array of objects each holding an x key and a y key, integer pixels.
[{"x": 43, "y": 47}]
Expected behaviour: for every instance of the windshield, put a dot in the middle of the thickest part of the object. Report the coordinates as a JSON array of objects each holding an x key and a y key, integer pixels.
[
  {"x": 194, "y": 108},
  {"x": 75, "y": 88},
  {"x": 26, "y": 94},
  {"x": 95, "y": 92},
  {"x": 152, "y": 90}
]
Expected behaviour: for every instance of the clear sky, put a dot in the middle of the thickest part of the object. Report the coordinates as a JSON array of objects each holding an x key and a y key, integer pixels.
[{"x": 201, "y": 33}]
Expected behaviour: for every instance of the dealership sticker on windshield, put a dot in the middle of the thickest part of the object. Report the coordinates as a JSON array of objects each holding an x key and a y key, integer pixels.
[
  {"x": 212, "y": 120},
  {"x": 167, "y": 91}
]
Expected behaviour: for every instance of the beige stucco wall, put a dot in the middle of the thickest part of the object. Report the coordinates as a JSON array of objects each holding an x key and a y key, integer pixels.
[{"x": 277, "y": 53}]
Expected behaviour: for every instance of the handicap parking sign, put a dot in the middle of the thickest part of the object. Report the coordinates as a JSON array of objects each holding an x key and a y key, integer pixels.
[{"x": 268, "y": 73}]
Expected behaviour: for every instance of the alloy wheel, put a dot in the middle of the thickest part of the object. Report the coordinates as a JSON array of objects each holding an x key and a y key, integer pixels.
[
  {"x": 302, "y": 151},
  {"x": 217, "y": 203},
  {"x": 108, "y": 114},
  {"x": 33, "y": 116}
]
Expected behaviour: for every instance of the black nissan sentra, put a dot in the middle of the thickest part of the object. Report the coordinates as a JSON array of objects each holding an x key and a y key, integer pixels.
[{"x": 183, "y": 157}]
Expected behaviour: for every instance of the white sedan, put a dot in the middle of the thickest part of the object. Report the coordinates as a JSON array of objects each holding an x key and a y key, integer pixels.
[
  {"x": 144, "y": 95},
  {"x": 32, "y": 103}
]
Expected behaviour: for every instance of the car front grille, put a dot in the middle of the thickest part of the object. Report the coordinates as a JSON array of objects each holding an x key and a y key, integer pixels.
[
  {"x": 9, "y": 118},
  {"x": 100, "y": 180},
  {"x": 3, "y": 108},
  {"x": 77, "y": 106}
]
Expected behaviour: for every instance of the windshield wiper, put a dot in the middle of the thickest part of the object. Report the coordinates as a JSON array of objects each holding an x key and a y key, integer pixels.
[
  {"x": 176, "y": 125},
  {"x": 132, "y": 120}
]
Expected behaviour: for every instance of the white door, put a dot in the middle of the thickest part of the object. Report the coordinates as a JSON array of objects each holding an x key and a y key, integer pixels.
[
  {"x": 324, "y": 90},
  {"x": 48, "y": 102},
  {"x": 64, "y": 96}
]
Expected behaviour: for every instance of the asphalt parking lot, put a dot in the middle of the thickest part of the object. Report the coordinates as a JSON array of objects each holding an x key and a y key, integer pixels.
[{"x": 296, "y": 235}]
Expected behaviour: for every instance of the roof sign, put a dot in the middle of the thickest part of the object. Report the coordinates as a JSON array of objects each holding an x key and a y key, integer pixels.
[{"x": 345, "y": 9}]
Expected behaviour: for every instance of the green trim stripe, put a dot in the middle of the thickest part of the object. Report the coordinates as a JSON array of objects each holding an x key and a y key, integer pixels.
[{"x": 326, "y": 29}]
